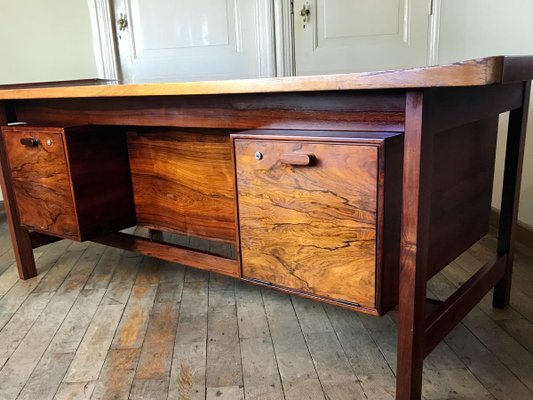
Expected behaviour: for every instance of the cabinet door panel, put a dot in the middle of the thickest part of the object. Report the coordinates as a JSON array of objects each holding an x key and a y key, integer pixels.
[
  {"x": 41, "y": 181},
  {"x": 308, "y": 215}
]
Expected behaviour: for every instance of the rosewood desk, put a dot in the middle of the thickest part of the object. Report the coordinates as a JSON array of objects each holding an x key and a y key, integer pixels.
[{"x": 351, "y": 189}]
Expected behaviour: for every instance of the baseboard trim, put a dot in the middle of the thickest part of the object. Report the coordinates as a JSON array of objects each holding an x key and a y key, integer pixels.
[{"x": 524, "y": 232}]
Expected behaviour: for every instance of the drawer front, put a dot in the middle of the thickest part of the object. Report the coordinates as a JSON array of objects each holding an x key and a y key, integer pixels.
[
  {"x": 308, "y": 216},
  {"x": 41, "y": 182}
]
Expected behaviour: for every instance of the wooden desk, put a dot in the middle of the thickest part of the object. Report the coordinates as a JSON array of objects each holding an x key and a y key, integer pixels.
[{"x": 350, "y": 189}]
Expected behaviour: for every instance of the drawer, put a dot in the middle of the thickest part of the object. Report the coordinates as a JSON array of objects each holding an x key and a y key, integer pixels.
[
  {"x": 69, "y": 182},
  {"x": 311, "y": 218}
]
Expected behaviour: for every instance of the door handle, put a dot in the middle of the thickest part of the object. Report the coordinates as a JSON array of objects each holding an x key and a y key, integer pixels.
[
  {"x": 122, "y": 23},
  {"x": 305, "y": 13},
  {"x": 297, "y": 159},
  {"x": 30, "y": 142}
]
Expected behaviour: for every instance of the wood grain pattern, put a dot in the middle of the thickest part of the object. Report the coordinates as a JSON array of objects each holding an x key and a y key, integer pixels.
[
  {"x": 313, "y": 228},
  {"x": 41, "y": 181},
  {"x": 363, "y": 111},
  {"x": 183, "y": 182},
  {"x": 483, "y": 71},
  {"x": 55, "y": 181},
  {"x": 21, "y": 240}
]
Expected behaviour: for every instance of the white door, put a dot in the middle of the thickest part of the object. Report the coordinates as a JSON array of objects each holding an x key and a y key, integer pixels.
[
  {"x": 334, "y": 36},
  {"x": 170, "y": 40}
]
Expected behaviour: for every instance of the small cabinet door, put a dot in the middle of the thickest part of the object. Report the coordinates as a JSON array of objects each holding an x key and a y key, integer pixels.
[
  {"x": 308, "y": 216},
  {"x": 41, "y": 182}
]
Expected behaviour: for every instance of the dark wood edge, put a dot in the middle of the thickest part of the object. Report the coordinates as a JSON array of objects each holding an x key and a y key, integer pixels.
[
  {"x": 171, "y": 252},
  {"x": 523, "y": 232},
  {"x": 461, "y": 302},
  {"x": 20, "y": 237},
  {"x": 512, "y": 176},
  {"x": 315, "y": 135},
  {"x": 2, "y": 209},
  {"x": 516, "y": 69},
  {"x": 455, "y": 106},
  {"x": 415, "y": 227},
  {"x": 348, "y": 305},
  {"x": 380, "y": 222}
]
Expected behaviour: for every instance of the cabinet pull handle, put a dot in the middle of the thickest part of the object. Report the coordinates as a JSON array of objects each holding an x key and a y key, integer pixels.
[
  {"x": 300, "y": 159},
  {"x": 30, "y": 142}
]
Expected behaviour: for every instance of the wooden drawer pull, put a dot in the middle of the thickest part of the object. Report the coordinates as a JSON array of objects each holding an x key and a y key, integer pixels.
[
  {"x": 30, "y": 142},
  {"x": 300, "y": 159}
]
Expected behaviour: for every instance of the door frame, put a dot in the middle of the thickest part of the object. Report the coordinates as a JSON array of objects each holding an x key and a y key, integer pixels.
[
  {"x": 104, "y": 39},
  {"x": 277, "y": 47},
  {"x": 106, "y": 48}
]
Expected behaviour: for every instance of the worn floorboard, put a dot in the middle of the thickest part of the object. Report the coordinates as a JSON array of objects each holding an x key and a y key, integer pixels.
[{"x": 101, "y": 323}]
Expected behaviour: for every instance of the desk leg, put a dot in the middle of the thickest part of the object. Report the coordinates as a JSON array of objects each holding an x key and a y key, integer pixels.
[
  {"x": 20, "y": 237},
  {"x": 416, "y": 197},
  {"x": 514, "y": 155}
]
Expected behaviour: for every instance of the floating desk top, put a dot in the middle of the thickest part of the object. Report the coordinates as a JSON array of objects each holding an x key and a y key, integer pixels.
[{"x": 479, "y": 72}]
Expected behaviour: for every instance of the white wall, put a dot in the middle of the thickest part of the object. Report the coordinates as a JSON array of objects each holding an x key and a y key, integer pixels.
[
  {"x": 477, "y": 28},
  {"x": 45, "y": 41}
]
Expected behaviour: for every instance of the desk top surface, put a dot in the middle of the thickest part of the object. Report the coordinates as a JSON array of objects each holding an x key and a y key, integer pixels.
[{"x": 483, "y": 71}]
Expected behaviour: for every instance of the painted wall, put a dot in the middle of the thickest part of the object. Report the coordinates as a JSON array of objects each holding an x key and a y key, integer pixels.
[
  {"x": 45, "y": 41},
  {"x": 477, "y": 28}
]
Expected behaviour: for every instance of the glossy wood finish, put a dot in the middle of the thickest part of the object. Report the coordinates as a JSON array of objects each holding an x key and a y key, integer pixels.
[
  {"x": 376, "y": 110},
  {"x": 183, "y": 182},
  {"x": 484, "y": 71},
  {"x": 284, "y": 225},
  {"x": 20, "y": 237},
  {"x": 41, "y": 181},
  {"x": 414, "y": 245},
  {"x": 324, "y": 210},
  {"x": 422, "y": 103},
  {"x": 55, "y": 182}
]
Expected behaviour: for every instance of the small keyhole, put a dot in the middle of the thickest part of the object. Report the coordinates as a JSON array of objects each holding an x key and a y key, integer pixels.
[{"x": 258, "y": 155}]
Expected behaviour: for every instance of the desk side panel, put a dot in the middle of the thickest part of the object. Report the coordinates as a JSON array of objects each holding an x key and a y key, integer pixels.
[{"x": 463, "y": 174}]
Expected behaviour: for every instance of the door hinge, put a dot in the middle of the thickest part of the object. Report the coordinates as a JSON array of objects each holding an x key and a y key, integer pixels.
[
  {"x": 431, "y": 7},
  {"x": 292, "y": 7}
]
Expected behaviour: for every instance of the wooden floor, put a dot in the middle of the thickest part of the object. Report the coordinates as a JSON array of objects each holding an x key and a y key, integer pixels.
[{"x": 101, "y": 323}]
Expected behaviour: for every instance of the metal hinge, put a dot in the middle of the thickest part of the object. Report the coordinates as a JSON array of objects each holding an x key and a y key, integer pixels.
[
  {"x": 431, "y": 7},
  {"x": 292, "y": 7}
]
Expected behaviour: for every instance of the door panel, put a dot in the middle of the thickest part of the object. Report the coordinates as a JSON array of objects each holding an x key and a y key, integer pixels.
[
  {"x": 309, "y": 226},
  {"x": 171, "y": 40},
  {"x": 364, "y": 35}
]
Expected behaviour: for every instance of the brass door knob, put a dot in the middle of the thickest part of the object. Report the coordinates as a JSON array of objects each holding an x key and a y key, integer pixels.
[{"x": 122, "y": 22}]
